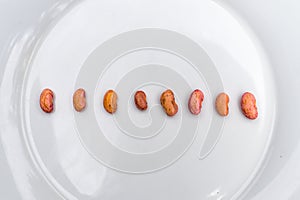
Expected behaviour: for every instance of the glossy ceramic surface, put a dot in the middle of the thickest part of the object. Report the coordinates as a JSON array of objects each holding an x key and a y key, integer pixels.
[{"x": 132, "y": 155}]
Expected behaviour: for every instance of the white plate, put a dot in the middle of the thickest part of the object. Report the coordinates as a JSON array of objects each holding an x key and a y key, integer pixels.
[{"x": 136, "y": 155}]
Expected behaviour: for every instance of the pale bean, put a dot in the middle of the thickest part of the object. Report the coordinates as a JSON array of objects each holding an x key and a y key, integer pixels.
[
  {"x": 222, "y": 101},
  {"x": 195, "y": 101},
  {"x": 79, "y": 99}
]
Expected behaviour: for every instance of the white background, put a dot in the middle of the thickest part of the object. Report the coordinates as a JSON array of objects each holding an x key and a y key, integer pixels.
[{"x": 277, "y": 24}]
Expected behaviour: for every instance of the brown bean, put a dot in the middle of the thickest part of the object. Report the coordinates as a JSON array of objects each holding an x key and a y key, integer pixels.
[
  {"x": 47, "y": 100},
  {"x": 248, "y": 105},
  {"x": 222, "y": 101},
  {"x": 195, "y": 101},
  {"x": 167, "y": 101},
  {"x": 140, "y": 100},
  {"x": 79, "y": 99},
  {"x": 110, "y": 101}
]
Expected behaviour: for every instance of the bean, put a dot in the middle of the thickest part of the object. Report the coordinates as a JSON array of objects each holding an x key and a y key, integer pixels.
[
  {"x": 110, "y": 101},
  {"x": 222, "y": 101},
  {"x": 248, "y": 105},
  {"x": 79, "y": 100},
  {"x": 140, "y": 100},
  {"x": 47, "y": 100},
  {"x": 195, "y": 101},
  {"x": 167, "y": 101}
]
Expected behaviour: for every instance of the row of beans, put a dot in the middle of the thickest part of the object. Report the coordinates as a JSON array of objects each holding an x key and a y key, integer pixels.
[{"x": 167, "y": 100}]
